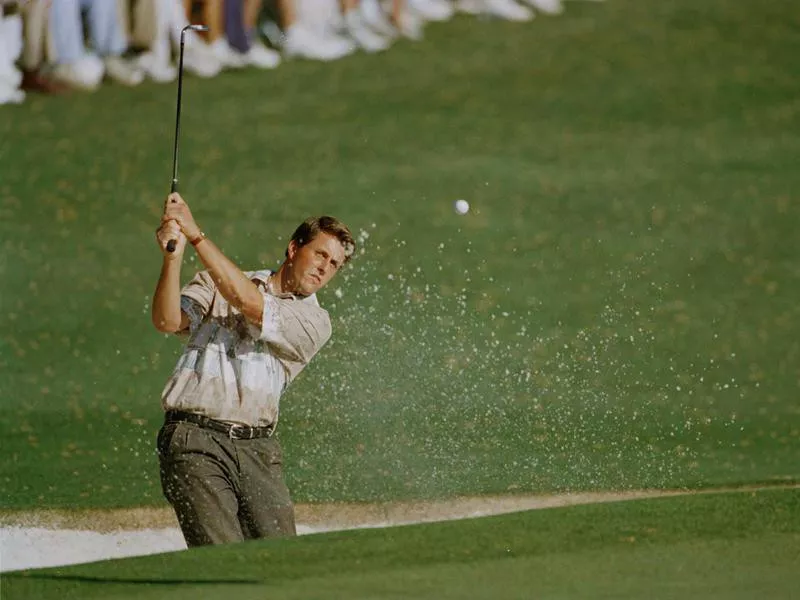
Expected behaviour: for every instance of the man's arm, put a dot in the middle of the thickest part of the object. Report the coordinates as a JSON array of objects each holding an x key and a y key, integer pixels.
[
  {"x": 231, "y": 282},
  {"x": 166, "y": 312}
]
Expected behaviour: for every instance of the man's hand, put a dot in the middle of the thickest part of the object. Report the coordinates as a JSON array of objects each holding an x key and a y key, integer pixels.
[
  {"x": 170, "y": 230},
  {"x": 176, "y": 210}
]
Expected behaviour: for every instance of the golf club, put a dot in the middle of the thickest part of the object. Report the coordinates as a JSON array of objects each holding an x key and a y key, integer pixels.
[{"x": 172, "y": 243}]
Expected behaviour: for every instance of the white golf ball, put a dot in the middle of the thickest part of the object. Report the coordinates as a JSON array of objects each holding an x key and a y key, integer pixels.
[{"x": 461, "y": 206}]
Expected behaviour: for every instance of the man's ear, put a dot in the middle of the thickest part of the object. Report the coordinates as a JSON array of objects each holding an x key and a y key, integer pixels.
[{"x": 291, "y": 250}]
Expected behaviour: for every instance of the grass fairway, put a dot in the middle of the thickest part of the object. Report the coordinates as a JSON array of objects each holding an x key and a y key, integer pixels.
[
  {"x": 726, "y": 546},
  {"x": 619, "y": 310}
]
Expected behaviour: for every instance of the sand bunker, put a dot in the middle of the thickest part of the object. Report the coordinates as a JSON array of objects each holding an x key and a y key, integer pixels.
[{"x": 60, "y": 537}]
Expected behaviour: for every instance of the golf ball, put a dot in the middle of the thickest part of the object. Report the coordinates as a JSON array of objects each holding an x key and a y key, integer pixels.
[{"x": 461, "y": 206}]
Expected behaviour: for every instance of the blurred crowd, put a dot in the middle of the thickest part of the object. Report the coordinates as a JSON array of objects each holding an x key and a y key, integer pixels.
[{"x": 52, "y": 46}]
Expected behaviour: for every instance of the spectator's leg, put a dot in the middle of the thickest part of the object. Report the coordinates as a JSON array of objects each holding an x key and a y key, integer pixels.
[
  {"x": 67, "y": 31},
  {"x": 359, "y": 31},
  {"x": 257, "y": 54},
  {"x": 73, "y": 65},
  {"x": 303, "y": 40},
  {"x": 35, "y": 16},
  {"x": 215, "y": 13},
  {"x": 105, "y": 30},
  {"x": 375, "y": 17},
  {"x": 408, "y": 23},
  {"x": 154, "y": 17},
  {"x": 10, "y": 49},
  {"x": 288, "y": 13},
  {"x": 212, "y": 18},
  {"x": 234, "y": 25},
  {"x": 252, "y": 8},
  {"x": 109, "y": 41},
  {"x": 198, "y": 57}
]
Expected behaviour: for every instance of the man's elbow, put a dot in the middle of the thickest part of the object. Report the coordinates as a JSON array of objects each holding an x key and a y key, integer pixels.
[{"x": 166, "y": 325}]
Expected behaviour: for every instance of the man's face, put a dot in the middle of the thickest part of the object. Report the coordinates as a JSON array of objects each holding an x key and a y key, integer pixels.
[{"x": 312, "y": 266}]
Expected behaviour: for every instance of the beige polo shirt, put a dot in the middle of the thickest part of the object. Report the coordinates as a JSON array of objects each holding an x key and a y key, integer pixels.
[{"x": 230, "y": 369}]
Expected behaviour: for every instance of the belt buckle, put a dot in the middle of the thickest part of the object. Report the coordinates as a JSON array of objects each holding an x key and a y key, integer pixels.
[{"x": 237, "y": 427}]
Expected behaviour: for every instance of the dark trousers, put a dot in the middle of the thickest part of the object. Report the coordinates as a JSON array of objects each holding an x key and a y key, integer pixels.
[
  {"x": 238, "y": 37},
  {"x": 223, "y": 490}
]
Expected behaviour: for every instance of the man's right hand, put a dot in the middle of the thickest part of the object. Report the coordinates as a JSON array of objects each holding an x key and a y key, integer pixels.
[{"x": 170, "y": 230}]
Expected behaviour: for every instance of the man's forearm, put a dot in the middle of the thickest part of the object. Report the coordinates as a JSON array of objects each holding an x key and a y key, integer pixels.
[
  {"x": 166, "y": 310},
  {"x": 231, "y": 282}
]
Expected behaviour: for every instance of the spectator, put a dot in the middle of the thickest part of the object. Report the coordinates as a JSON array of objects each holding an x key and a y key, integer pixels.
[
  {"x": 407, "y": 22},
  {"x": 157, "y": 27},
  {"x": 548, "y": 7},
  {"x": 241, "y": 17},
  {"x": 74, "y": 65},
  {"x": 10, "y": 49},
  {"x": 307, "y": 33},
  {"x": 36, "y": 45},
  {"x": 232, "y": 33},
  {"x": 212, "y": 15},
  {"x": 503, "y": 9},
  {"x": 400, "y": 21},
  {"x": 432, "y": 10},
  {"x": 357, "y": 27}
]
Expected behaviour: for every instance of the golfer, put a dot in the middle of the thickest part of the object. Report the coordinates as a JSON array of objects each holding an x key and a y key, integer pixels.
[{"x": 249, "y": 335}]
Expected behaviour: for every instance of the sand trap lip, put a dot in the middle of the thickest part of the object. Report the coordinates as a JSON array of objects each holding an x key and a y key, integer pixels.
[
  {"x": 48, "y": 538},
  {"x": 335, "y": 516}
]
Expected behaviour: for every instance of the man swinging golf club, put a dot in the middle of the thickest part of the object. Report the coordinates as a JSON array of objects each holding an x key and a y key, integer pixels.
[{"x": 249, "y": 335}]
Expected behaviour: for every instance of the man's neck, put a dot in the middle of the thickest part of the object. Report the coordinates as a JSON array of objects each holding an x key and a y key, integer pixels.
[{"x": 280, "y": 281}]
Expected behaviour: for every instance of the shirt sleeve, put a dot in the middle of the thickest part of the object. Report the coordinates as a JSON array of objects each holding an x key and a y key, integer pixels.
[
  {"x": 197, "y": 297},
  {"x": 295, "y": 330}
]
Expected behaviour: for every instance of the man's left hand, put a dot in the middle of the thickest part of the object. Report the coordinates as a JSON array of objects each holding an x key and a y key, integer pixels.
[{"x": 176, "y": 209}]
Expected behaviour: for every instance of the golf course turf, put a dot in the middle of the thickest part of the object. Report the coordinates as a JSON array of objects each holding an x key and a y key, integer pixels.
[{"x": 617, "y": 311}]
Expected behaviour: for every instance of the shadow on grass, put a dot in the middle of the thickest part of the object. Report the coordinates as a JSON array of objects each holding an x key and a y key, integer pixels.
[{"x": 127, "y": 580}]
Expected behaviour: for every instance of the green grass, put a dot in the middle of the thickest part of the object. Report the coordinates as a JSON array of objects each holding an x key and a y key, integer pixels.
[
  {"x": 619, "y": 310},
  {"x": 735, "y": 545}
]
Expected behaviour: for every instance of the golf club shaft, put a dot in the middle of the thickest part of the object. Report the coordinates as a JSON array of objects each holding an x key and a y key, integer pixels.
[{"x": 171, "y": 244}]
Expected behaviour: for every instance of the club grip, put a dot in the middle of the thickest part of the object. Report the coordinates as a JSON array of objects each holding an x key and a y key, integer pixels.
[{"x": 172, "y": 243}]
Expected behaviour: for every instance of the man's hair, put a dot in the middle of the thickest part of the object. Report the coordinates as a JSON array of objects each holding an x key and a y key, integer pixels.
[{"x": 313, "y": 226}]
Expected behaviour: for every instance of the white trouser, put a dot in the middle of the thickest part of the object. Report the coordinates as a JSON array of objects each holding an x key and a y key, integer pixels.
[{"x": 106, "y": 33}]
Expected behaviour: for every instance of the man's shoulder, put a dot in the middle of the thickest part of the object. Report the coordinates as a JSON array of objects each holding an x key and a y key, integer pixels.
[{"x": 261, "y": 275}]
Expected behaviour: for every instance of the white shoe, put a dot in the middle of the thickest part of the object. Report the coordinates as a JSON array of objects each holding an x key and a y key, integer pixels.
[
  {"x": 508, "y": 10},
  {"x": 122, "y": 71},
  {"x": 363, "y": 35},
  {"x": 10, "y": 49},
  {"x": 155, "y": 69},
  {"x": 82, "y": 74},
  {"x": 156, "y": 63},
  {"x": 432, "y": 10},
  {"x": 199, "y": 60},
  {"x": 262, "y": 57},
  {"x": 410, "y": 25},
  {"x": 10, "y": 95},
  {"x": 548, "y": 7},
  {"x": 227, "y": 56},
  {"x": 301, "y": 42},
  {"x": 375, "y": 18},
  {"x": 334, "y": 23},
  {"x": 93, "y": 65},
  {"x": 470, "y": 7}
]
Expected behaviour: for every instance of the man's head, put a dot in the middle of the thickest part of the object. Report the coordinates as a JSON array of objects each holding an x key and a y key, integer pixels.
[{"x": 319, "y": 247}]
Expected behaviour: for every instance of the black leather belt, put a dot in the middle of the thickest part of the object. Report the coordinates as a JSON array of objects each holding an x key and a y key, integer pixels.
[{"x": 235, "y": 431}]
